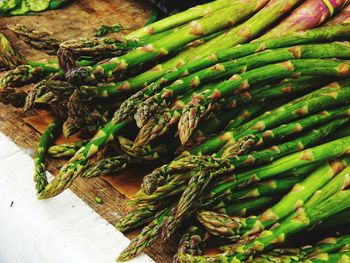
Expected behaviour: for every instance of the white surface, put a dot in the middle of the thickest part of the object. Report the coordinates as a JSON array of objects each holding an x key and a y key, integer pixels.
[{"x": 62, "y": 229}]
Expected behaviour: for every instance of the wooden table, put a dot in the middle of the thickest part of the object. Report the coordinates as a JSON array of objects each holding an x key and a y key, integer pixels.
[{"x": 79, "y": 19}]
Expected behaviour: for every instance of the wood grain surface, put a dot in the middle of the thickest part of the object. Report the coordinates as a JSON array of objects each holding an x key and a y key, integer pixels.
[{"x": 79, "y": 19}]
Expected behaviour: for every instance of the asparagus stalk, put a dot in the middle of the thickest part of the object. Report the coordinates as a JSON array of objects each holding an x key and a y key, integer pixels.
[
  {"x": 43, "y": 41},
  {"x": 179, "y": 19},
  {"x": 9, "y": 57},
  {"x": 146, "y": 238},
  {"x": 98, "y": 48},
  {"x": 192, "y": 242},
  {"x": 249, "y": 206},
  {"x": 198, "y": 183},
  {"x": 299, "y": 221},
  {"x": 296, "y": 198},
  {"x": 202, "y": 105},
  {"x": 156, "y": 127},
  {"x": 46, "y": 139},
  {"x": 240, "y": 34},
  {"x": 306, "y": 140},
  {"x": 74, "y": 167},
  {"x": 310, "y": 36},
  {"x": 264, "y": 188},
  {"x": 246, "y": 31},
  {"x": 32, "y": 72},
  {"x": 138, "y": 217},
  {"x": 69, "y": 129},
  {"x": 310, "y": 14},
  {"x": 319, "y": 251},
  {"x": 65, "y": 150},
  {"x": 231, "y": 14},
  {"x": 308, "y": 104},
  {"x": 162, "y": 99},
  {"x": 161, "y": 123},
  {"x": 221, "y": 224},
  {"x": 246, "y": 143},
  {"x": 338, "y": 183},
  {"x": 13, "y": 97},
  {"x": 298, "y": 38},
  {"x": 282, "y": 165},
  {"x": 165, "y": 173},
  {"x": 108, "y": 166}
]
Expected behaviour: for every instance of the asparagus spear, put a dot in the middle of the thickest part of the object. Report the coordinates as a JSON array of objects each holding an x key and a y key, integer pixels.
[
  {"x": 108, "y": 166},
  {"x": 299, "y": 221},
  {"x": 231, "y": 14},
  {"x": 192, "y": 242},
  {"x": 338, "y": 183},
  {"x": 9, "y": 57},
  {"x": 165, "y": 173},
  {"x": 244, "y": 144},
  {"x": 315, "y": 35},
  {"x": 146, "y": 238},
  {"x": 179, "y": 19},
  {"x": 306, "y": 140},
  {"x": 290, "y": 202},
  {"x": 65, "y": 150},
  {"x": 162, "y": 99},
  {"x": 161, "y": 123},
  {"x": 12, "y": 96},
  {"x": 39, "y": 40},
  {"x": 198, "y": 183},
  {"x": 202, "y": 105},
  {"x": 32, "y": 72},
  {"x": 249, "y": 206},
  {"x": 308, "y": 104},
  {"x": 240, "y": 34},
  {"x": 138, "y": 217},
  {"x": 336, "y": 257},
  {"x": 46, "y": 139},
  {"x": 221, "y": 224},
  {"x": 156, "y": 127},
  {"x": 69, "y": 129},
  {"x": 310, "y": 14},
  {"x": 309, "y": 36},
  {"x": 319, "y": 251},
  {"x": 264, "y": 188},
  {"x": 308, "y": 156}
]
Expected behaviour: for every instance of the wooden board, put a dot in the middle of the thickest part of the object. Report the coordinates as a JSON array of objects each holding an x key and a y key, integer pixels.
[{"x": 79, "y": 19}]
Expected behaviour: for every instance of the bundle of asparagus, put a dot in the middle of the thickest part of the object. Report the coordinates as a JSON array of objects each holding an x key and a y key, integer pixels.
[{"x": 239, "y": 102}]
